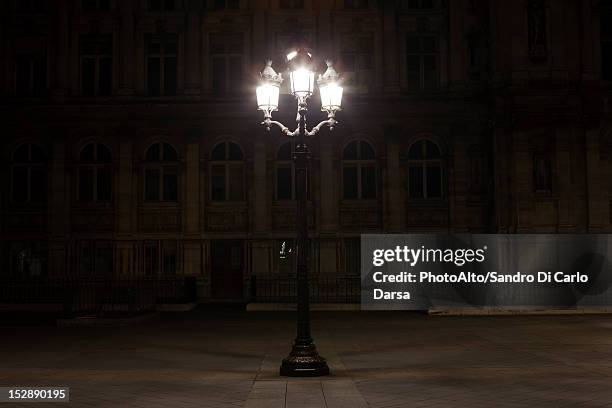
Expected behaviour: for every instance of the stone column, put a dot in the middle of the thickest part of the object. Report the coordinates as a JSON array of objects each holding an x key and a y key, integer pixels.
[
  {"x": 62, "y": 60},
  {"x": 191, "y": 215},
  {"x": 598, "y": 206},
  {"x": 59, "y": 208},
  {"x": 125, "y": 228},
  {"x": 567, "y": 216},
  {"x": 192, "y": 54},
  {"x": 126, "y": 50},
  {"x": 328, "y": 239},
  {"x": 523, "y": 174},
  {"x": 394, "y": 216},
  {"x": 390, "y": 51}
]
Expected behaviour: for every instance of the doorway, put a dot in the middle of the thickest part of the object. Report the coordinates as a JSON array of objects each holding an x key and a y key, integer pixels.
[{"x": 227, "y": 269}]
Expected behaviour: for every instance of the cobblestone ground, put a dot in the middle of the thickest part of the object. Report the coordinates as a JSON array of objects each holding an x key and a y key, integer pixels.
[{"x": 229, "y": 358}]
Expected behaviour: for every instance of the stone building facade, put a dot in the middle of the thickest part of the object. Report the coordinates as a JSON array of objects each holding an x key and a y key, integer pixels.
[{"x": 131, "y": 143}]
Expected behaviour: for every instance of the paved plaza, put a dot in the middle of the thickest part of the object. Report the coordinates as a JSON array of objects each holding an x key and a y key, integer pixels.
[{"x": 229, "y": 358}]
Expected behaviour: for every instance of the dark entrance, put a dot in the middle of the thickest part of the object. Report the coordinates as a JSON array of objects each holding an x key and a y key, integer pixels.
[{"x": 227, "y": 264}]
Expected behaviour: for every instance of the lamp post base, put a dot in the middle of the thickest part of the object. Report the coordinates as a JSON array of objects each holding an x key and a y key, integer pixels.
[{"x": 304, "y": 361}]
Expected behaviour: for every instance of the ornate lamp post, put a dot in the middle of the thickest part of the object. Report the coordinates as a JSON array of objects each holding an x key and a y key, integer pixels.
[{"x": 303, "y": 360}]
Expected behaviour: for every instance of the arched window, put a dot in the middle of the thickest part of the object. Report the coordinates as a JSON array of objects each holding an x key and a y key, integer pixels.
[
  {"x": 161, "y": 173},
  {"x": 29, "y": 175},
  {"x": 358, "y": 171},
  {"x": 94, "y": 173},
  {"x": 424, "y": 170},
  {"x": 227, "y": 172},
  {"x": 286, "y": 176}
]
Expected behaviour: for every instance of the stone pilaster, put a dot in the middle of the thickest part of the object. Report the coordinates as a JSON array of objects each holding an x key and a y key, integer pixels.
[
  {"x": 191, "y": 217},
  {"x": 59, "y": 208},
  {"x": 126, "y": 49},
  {"x": 598, "y": 206},
  {"x": 394, "y": 218}
]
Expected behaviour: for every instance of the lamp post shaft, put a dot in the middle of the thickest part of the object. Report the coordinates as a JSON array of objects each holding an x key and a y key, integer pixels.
[{"x": 304, "y": 360}]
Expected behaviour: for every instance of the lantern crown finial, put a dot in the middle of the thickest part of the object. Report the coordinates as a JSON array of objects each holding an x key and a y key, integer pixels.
[{"x": 269, "y": 74}]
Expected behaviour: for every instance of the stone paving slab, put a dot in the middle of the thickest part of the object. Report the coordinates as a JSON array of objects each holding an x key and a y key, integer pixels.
[{"x": 378, "y": 360}]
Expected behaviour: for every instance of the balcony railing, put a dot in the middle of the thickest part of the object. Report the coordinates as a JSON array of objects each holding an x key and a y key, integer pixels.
[
  {"x": 332, "y": 289},
  {"x": 80, "y": 296}
]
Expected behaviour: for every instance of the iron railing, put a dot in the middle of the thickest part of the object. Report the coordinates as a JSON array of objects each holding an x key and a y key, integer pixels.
[
  {"x": 80, "y": 296},
  {"x": 332, "y": 289}
]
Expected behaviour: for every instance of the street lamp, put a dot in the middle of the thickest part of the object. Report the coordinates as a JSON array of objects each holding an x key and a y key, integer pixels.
[{"x": 303, "y": 360}]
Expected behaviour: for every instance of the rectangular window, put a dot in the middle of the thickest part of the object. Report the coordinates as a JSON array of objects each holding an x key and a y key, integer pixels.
[
  {"x": 96, "y": 65},
  {"x": 38, "y": 184},
  {"x": 20, "y": 184},
  {"x": 104, "y": 184},
  {"x": 236, "y": 183},
  {"x": 357, "y": 53},
  {"x": 170, "y": 186},
  {"x": 368, "y": 182},
  {"x": 169, "y": 257},
  {"x": 225, "y": 4},
  {"x": 217, "y": 183},
  {"x": 422, "y": 62},
  {"x": 161, "y": 5},
  {"x": 152, "y": 192},
  {"x": 95, "y": 258},
  {"x": 284, "y": 184},
  {"x": 286, "y": 258},
  {"x": 96, "y": 5},
  {"x": 226, "y": 62},
  {"x": 151, "y": 258},
  {"x": 28, "y": 259},
  {"x": 30, "y": 75},
  {"x": 434, "y": 181},
  {"x": 349, "y": 179},
  {"x": 415, "y": 181},
  {"x": 352, "y": 256},
  {"x": 356, "y": 4},
  {"x": 291, "y": 4},
  {"x": 542, "y": 173},
  {"x": 86, "y": 184},
  {"x": 161, "y": 59}
]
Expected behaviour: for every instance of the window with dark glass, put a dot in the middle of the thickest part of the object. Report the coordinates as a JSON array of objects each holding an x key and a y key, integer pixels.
[
  {"x": 352, "y": 256},
  {"x": 161, "y": 173},
  {"x": 286, "y": 181},
  {"x": 424, "y": 170},
  {"x": 28, "y": 259},
  {"x": 417, "y": 4},
  {"x": 357, "y": 55},
  {"x": 160, "y": 257},
  {"x": 227, "y": 172},
  {"x": 356, "y": 4},
  {"x": 422, "y": 62},
  {"x": 291, "y": 4},
  {"x": 286, "y": 256},
  {"x": 358, "y": 171},
  {"x": 542, "y": 173},
  {"x": 31, "y": 6},
  {"x": 161, "y": 59},
  {"x": 225, "y": 4},
  {"x": 30, "y": 75},
  {"x": 28, "y": 175},
  {"x": 161, "y": 5},
  {"x": 605, "y": 33},
  {"x": 95, "y": 258},
  {"x": 95, "y": 5},
  {"x": 96, "y": 65},
  {"x": 226, "y": 50},
  {"x": 94, "y": 174}
]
